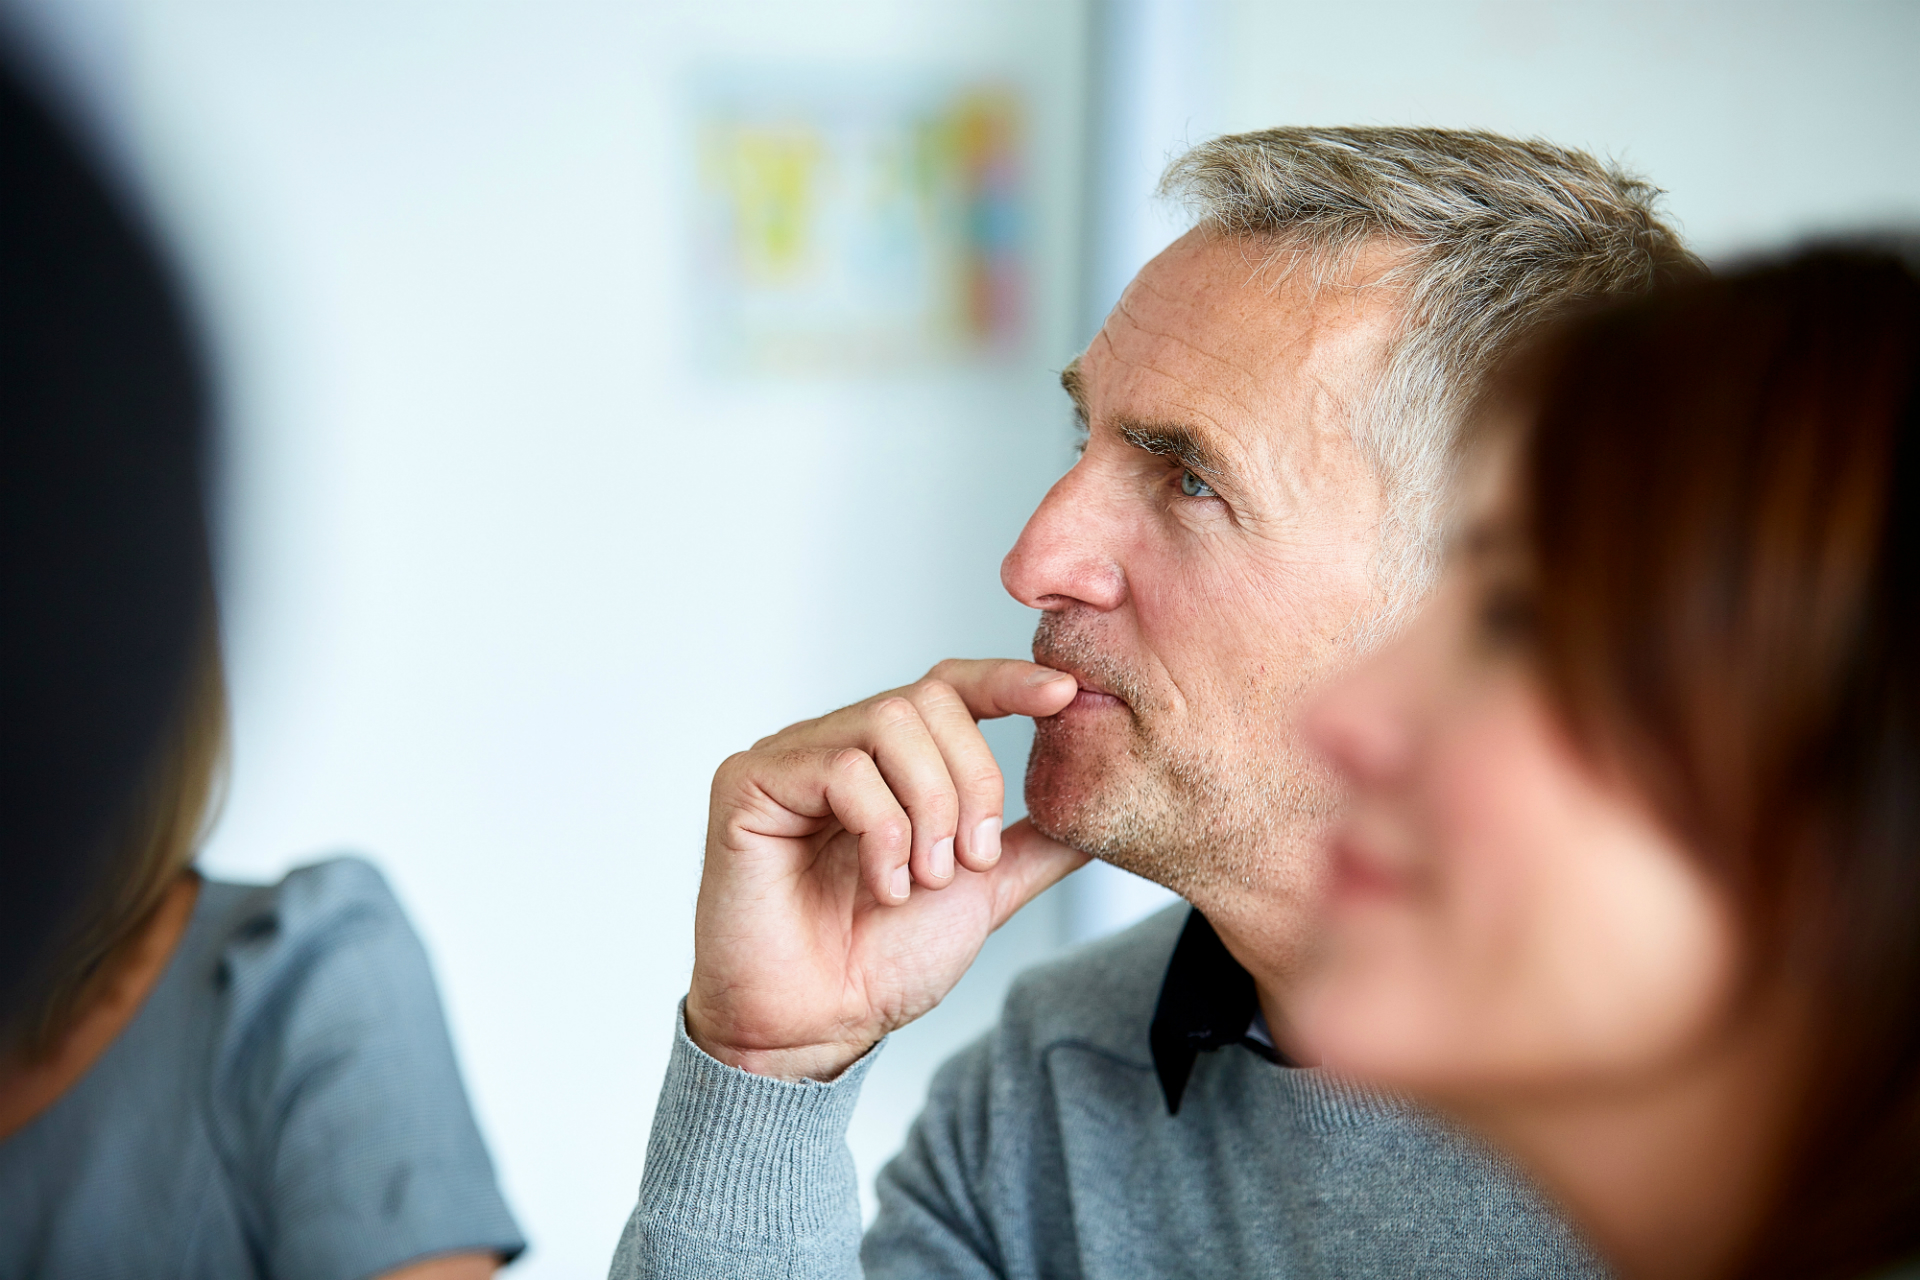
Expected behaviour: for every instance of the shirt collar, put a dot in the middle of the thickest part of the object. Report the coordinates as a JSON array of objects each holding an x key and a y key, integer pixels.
[{"x": 1207, "y": 1002}]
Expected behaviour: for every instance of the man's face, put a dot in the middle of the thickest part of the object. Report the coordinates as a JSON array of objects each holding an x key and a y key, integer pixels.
[{"x": 1202, "y": 567}]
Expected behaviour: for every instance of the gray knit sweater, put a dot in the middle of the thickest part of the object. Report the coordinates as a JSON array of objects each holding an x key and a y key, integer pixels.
[{"x": 1046, "y": 1150}]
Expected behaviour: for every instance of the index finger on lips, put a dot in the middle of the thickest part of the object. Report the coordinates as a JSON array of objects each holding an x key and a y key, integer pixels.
[{"x": 995, "y": 687}]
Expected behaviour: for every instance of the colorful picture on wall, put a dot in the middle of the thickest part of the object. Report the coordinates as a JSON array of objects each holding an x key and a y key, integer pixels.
[{"x": 853, "y": 229}]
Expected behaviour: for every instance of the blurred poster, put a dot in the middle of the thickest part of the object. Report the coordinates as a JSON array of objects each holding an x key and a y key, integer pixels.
[{"x": 859, "y": 228}]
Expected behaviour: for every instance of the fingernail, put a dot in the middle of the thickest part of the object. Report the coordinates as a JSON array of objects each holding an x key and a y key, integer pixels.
[
  {"x": 940, "y": 858},
  {"x": 1046, "y": 677},
  {"x": 902, "y": 883},
  {"x": 986, "y": 840}
]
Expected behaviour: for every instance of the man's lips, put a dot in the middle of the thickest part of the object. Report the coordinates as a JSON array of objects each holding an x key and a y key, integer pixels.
[
  {"x": 1094, "y": 700},
  {"x": 1093, "y": 695}
]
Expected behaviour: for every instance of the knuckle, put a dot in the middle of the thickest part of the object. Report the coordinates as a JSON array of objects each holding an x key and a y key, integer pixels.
[
  {"x": 982, "y": 781},
  {"x": 848, "y": 760},
  {"x": 935, "y": 692},
  {"x": 731, "y": 769},
  {"x": 892, "y": 833},
  {"x": 938, "y": 805},
  {"x": 894, "y": 711}
]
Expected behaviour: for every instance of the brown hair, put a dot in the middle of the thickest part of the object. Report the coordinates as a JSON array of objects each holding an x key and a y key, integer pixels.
[
  {"x": 152, "y": 842},
  {"x": 1724, "y": 499}
]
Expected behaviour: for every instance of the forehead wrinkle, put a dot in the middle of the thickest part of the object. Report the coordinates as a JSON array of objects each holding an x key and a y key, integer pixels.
[
  {"x": 1114, "y": 354},
  {"x": 1248, "y": 374}
]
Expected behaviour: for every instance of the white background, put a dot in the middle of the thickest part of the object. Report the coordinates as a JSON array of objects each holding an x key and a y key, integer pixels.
[{"x": 505, "y": 577}]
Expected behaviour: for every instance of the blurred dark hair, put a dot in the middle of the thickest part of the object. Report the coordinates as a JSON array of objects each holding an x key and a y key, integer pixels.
[
  {"x": 103, "y": 547},
  {"x": 154, "y": 835},
  {"x": 1724, "y": 497}
]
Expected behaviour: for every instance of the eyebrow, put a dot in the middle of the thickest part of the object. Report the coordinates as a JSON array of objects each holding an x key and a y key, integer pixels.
[
  {"x": 1076, "y": 389},
  {"x": 1181, "y": 444},
  {"x": 1172, "y": 440}
]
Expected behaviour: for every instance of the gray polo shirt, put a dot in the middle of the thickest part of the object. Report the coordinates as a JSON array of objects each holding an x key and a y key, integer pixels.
[
  {"x": 1047, "y": 1149},
  {"x": 285, "y": 1104}
]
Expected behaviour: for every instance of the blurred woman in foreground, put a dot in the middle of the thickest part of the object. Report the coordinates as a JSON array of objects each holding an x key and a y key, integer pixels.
[{"x": 1631, "y": 878}]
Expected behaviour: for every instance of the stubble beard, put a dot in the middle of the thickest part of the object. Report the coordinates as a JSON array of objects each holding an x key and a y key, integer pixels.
[{"x": 1238, "y": 813}]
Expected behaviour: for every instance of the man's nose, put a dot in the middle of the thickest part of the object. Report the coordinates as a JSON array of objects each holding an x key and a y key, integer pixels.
[{"x": 1068, "y": 553}]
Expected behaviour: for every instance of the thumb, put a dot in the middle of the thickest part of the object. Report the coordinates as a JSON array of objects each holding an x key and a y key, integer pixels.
[{"x": 1030, "y": 863}]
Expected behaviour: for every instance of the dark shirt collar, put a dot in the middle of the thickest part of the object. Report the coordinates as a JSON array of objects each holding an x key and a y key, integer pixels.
[{"x": 1207, "y": 1002}]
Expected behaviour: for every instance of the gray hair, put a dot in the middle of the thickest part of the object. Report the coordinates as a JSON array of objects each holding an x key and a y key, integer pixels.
[{"x": 1498, "y": 235}]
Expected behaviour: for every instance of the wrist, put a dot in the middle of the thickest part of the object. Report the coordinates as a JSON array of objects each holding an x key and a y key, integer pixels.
[{"x": 823, "y": 1062}]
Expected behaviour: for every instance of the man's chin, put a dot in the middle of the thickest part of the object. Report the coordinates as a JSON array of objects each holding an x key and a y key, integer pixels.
[
  {"x": 1084, "y": 810},
  {"x": 1064, "y": 826},
  {"x": 1064, "y": 784},
  {"x": 1096, "y": 788},
  {"x": 1104, "y": 846}
]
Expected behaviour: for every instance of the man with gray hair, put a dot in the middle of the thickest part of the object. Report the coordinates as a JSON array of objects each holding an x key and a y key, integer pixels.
[{"x": 1270, "y": 414}]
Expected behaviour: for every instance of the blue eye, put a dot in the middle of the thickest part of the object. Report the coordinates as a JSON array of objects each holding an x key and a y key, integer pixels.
[{"x": 1194, "y": 487}]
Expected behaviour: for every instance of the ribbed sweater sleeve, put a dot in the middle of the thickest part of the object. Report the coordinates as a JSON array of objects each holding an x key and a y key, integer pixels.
[{"x": 746, "y": 1176}]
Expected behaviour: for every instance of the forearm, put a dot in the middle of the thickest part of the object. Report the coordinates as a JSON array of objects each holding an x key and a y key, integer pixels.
[{"x": 746, "y": 1176}]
